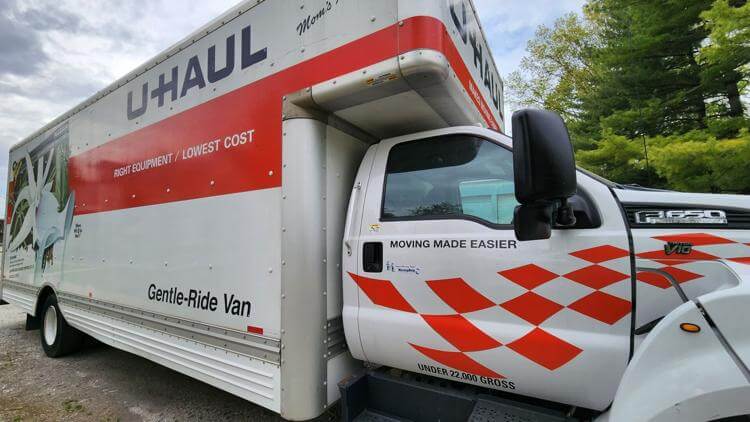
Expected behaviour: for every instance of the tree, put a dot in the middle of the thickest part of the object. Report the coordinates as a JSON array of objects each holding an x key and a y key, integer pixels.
[
  {"x": 648, "y": 77},
  {"x": 556, "y": 71},
  {"x": 651, "y": 90},
  {"x": 698, "y": 162},
  {"x": 618, "y": 158},
  {"x": 727, "y": 52}
]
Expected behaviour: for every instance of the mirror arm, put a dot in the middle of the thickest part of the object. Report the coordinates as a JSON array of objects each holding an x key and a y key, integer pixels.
[{"x": 565, "y": 215}]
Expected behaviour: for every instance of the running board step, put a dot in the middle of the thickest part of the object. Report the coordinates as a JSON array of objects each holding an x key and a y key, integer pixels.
[
  {"x": 396, "y": 396},
  {"x": 489, "y": 409},
  {"x": 371, "y": 416}
]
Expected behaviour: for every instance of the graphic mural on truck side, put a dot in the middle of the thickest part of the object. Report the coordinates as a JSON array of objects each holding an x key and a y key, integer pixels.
[{"x": 40, "y": 205}]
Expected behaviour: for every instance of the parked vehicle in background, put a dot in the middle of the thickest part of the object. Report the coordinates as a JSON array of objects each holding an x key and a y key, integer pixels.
[{"x": 297, "y": 190}]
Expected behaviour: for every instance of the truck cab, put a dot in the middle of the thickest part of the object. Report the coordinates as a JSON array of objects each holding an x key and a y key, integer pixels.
[{"x": 445, "y": 275}]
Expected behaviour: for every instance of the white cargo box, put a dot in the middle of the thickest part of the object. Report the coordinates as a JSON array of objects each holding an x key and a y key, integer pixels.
[{"x": 192, "y": 212}]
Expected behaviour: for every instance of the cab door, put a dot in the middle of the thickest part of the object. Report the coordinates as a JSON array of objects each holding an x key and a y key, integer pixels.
[{"x": 444, "y": 288}]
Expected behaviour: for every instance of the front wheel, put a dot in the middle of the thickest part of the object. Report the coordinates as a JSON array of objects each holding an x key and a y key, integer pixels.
[{"x": 58, "y": 338}]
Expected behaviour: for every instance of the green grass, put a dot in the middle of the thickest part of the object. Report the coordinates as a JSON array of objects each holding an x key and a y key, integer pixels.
[{"x": 72, "y": 406}]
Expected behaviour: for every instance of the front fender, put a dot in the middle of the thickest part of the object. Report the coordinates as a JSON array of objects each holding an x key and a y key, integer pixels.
[
  {"x": 728, "y": 309},
  {"x": 680, "y": 376}
]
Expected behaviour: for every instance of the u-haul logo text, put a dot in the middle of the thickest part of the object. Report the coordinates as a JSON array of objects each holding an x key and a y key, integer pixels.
[
  {"x": 470, "y": 34},
  {"x": 182, "y": 79}
]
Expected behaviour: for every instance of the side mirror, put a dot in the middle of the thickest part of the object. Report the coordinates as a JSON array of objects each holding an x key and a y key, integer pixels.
[{"x": 544, "y": 172}]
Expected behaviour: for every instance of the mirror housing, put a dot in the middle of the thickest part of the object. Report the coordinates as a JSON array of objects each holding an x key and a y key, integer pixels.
[
  {"x": 544, "y": 173},
  {"x": 533, "y": 221}
]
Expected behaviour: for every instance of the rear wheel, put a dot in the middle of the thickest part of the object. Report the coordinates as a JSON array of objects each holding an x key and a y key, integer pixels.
[{"x": 58, "y": 338}]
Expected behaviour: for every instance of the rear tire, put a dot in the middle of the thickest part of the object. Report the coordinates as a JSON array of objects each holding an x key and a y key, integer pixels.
[{"x": 58, "y": 338}]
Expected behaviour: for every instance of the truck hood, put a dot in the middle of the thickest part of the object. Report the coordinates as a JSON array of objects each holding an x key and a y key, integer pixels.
[
  {"x": 697, "y": 244},
  {"x": 669, "y": 198},
  {"x": 641, "y": 203}
]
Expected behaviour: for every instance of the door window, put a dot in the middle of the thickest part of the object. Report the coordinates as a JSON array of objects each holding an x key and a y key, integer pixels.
[{"x": 457, "y": 176}]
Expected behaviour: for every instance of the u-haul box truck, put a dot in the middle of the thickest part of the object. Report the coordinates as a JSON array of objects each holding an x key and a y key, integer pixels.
[{"x": 310, "y": 201}]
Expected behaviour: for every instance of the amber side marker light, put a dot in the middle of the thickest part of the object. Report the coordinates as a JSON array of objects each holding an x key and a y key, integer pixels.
[{"x": 690, "y": 328}]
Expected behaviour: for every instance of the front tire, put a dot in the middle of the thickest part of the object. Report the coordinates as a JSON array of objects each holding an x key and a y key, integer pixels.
[{"x": 58, "y": 338}]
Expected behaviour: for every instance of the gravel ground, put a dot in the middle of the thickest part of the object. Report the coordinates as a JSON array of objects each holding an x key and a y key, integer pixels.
[{"x": 100, "y": 383}]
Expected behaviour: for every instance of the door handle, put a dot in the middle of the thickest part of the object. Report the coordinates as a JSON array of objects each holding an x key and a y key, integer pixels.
[{"x": 372, "y": 257}]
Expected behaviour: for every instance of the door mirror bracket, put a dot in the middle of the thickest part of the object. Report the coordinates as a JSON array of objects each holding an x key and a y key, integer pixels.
[
  {"x": 565, "y": 216},
  {"x": 544, "y": 172}
]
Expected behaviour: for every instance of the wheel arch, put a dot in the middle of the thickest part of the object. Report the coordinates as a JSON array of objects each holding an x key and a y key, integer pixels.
[{"x": 44, "y": 293}]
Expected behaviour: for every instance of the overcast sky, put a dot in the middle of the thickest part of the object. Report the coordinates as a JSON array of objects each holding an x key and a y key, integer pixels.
[{"x": 56, "y": 53}]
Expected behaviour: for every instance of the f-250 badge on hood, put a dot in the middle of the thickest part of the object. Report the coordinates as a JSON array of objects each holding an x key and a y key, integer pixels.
[{"x": 681, "y": 217}]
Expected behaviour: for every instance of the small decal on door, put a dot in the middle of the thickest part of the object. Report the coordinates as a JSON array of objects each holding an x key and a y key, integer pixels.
[{"x": 397, "y": 268}]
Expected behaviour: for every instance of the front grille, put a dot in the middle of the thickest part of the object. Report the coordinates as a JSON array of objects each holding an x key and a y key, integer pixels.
[{"x": 739, "y": 218}]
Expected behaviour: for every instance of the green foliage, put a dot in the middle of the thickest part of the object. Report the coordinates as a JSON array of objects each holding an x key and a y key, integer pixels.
[
  {"x": 555, "y": 74},
  {"x": 726, "y": 53},
  {"x": 72, "y": 406},
  {"x": 651, "y": 90},
  {"x": 618, "y": 158},
  {"x": 727, "y": 127},
  {"x": 709, "y": 165},
  {"x": 647, "y": 75},
  {"x": 694, "y": 162}
]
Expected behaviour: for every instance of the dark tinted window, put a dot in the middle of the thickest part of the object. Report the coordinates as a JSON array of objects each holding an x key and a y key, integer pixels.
[{"x": 451, "y": 176}]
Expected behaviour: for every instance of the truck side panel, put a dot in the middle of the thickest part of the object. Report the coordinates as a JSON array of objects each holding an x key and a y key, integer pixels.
[
  {"x": 319, "y": 162},
  {"x": 155, "y": 210},
  {"x": 343, "y": 154},
  {"x": 228, "y": 360},
  {"x": 109, "y": 164},
  {"x": 199, "y": 141}
]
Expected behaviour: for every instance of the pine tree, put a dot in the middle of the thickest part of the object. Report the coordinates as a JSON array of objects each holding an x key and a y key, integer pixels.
[{"x": 648, "y": 77}]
